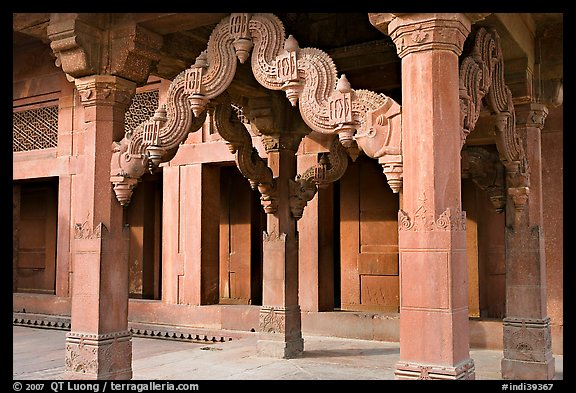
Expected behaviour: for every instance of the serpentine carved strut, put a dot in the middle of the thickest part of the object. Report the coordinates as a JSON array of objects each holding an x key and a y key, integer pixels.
[
  {"x": 362, "y": 120},
  {"x": 482, "y": 80}
]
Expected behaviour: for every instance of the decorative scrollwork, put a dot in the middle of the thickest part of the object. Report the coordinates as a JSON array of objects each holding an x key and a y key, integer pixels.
[
  {"x": 173, "y": 121},
  {"x": 330, "y": 168},
  {"x": 309, "y": 78},
  {"x": 247, "y": 158},
  {"x": 482, "y": 80},
  {"x": 487, "y": 172}
]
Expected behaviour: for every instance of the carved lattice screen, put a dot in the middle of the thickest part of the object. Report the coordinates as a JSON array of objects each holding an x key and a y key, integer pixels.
[
  {"x": 143, "y": 106},
  {"x": 35, "y": 129}
]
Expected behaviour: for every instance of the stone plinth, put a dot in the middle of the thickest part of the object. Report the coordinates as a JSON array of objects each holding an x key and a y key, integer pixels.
[{"x": 98, "y": 356}]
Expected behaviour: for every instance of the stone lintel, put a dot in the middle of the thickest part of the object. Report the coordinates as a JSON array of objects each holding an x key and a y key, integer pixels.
[
  {"x": 409, "y": 370},
  {"x": 94, "y": 356}
]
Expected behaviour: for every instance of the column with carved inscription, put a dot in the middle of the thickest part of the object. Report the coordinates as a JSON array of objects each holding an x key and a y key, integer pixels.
[
  {"x": 434, "y": 337},
  {"x": 280, "y": 333},
  {"x": 99, "y": 344},
  {"x": 527, "y": 336}
]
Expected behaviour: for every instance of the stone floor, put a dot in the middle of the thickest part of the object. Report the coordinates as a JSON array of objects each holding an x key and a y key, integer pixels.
[{"x": 38, "y": 354}]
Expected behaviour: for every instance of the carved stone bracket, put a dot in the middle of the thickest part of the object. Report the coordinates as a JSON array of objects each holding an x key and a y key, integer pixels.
[
  {"x": 247, "y": 158},
  {"x": 482, "y": 80},
  {"x": 87, "y": 44},
  {"x": 330, "y": 168},
  {"x": 362, "y": 119},
  {"x": 153, "y": 142},
  {"x": 307, "y": 75},
  {"x": 487, "y": 172}
]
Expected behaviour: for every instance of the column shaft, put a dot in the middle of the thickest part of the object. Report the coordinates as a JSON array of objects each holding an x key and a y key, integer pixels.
[
  {"x": 527, "y": 335},
  {"x": 434, "y": 334},
  {"x": 99, "y": 343},
  {"x": 280, "y": 319}
]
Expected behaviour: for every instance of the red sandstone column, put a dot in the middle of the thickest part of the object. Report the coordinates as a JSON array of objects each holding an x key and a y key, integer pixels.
[
  {"x": 434, "y": 337},
  {"x": 99, "y": 344},
  {"x": 527, "y": 337},
  {"x": 280, "y": 333}
]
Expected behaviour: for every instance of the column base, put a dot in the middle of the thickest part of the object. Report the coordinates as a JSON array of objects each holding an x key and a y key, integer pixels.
[
  {"x": 408, "y": 370},
  {"x": 277, "y": 347},
  {"x": 280, "y": 332},
  {"x": 518, "y": 369},
  {"x": 98, "y": 356},
  {"x": 527, "y": 349}
]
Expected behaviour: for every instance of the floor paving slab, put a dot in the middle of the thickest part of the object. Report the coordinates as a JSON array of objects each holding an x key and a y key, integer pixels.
[{"x": 38, "y": 354}]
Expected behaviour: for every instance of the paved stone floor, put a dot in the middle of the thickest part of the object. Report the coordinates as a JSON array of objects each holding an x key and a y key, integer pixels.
[{"x": 38, "y": 354}]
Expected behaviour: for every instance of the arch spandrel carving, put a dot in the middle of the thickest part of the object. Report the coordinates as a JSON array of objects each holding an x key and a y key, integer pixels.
[{"x": 363, "y": 120}]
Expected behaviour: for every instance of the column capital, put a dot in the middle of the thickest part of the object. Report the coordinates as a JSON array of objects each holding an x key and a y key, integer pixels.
[
  {"x": 425, "y": 31},
  {"x": 531, "y": 114},
  {"x": 105, "y": 90}
]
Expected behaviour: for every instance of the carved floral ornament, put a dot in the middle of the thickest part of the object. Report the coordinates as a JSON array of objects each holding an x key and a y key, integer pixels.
[{"x": 362, "y": 120}]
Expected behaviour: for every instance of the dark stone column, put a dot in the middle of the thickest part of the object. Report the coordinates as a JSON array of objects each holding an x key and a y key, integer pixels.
[{"x": 527, "y": 337}]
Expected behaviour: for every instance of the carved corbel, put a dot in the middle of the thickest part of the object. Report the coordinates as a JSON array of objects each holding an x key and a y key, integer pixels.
[
  {"x": 76, "y": 43},
  {"x": 247, "y": 159},
  {"x": 382, "y": 139},
  {"x": 153, "y": 141},
  {"x": 330, "y": 168},
  {"x": 487, "y": 172},
  {"x": 308, "y": 76},
  {"x": 87, "y": 44},
  {"x": 134, "y": 50},
  {"x": 151, "y": 138},
  {"x": 301, "y": 192}
]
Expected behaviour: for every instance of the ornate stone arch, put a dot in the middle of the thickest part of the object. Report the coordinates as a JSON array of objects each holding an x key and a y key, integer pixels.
[
  {"x": 482, "y": 84},
  {"x": 361, "y": 119}
]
